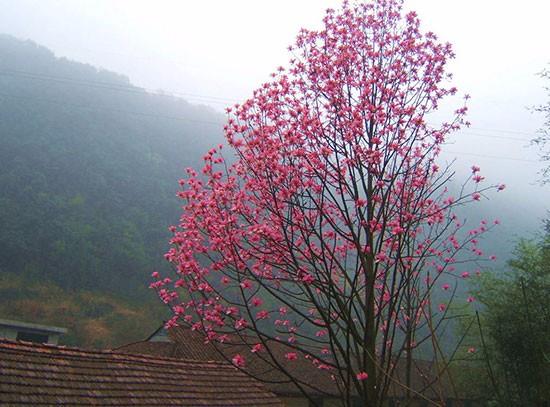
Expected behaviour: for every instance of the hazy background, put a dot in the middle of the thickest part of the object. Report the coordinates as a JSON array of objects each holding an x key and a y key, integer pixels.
[
  {"x": 216, "y": 52},
  {"x": 88, "y": 172}
]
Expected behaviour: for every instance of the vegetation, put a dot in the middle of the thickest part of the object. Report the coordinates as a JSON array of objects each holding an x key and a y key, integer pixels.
[
  {"x": 507, "y": 349},
  {"x": 88, "y": 181},
  {"x": 543, "y": 140},
  {"x": 336, "y": 226},
  {"x": 93, "y": 319}
]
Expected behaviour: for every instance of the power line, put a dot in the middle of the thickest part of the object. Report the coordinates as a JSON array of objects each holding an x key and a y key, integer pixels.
[
  {"x": 134, "y": 89},
  {"x": 209, "y": 99},
  {"x": 108, "y": 85},
  {"x": 97, "y": 108},
  {"x": 494, "y": 131},
  {"x": 495, "y": 137},
  {"x": 144, "y": 114},
  {"x": 503, "y": 131},
  {"x": 497, "y": 157}
]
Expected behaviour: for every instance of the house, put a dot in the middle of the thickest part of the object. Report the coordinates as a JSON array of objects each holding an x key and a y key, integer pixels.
[
  {"x": 24, "y": 331},
  {"x": 182, "y": 342},
  {"x": 38, "y": 374}
]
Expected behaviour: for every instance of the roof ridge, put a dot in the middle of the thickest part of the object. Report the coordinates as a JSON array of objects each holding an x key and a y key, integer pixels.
[{"x": 66, "y": 350}]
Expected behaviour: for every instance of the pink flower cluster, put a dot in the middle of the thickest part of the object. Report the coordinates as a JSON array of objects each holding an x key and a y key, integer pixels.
[{"x": 335, "y": 198}]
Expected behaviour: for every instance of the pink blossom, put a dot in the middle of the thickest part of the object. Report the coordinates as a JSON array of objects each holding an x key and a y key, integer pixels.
[
  {"x": 246, "y": 284},
  {"x": 362, "y": 376},
  {"x": 308, "y": 279},
  {"x": 256, "y": 301},
  {"x": 262, "y": 315},
  {"x": 284, "y": 226},
  {"x": 238, "y": 360},
  {"x": 241, "y": 324},
  {"x": 359, "y": 203},
  {"x": 257, "y": 348},
  {"x": 231, "y": 311},
  {"x": 291, "y": 356},
  {"x": 478, "y": 178},
  {"x": 381, "y": 257}
]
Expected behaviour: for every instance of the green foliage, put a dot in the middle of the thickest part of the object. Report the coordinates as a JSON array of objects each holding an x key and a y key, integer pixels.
[
  {"x": 512, "y": 338},
  {"x": 88, "y": 177},
  {"x": 543, "y": 140},
  {"x": 94, "y": 320}
]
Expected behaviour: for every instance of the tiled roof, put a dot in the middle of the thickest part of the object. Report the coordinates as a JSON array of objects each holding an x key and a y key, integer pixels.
[
  {"x": 32, "y": 374},
  {"x": 186, "y": 343}
]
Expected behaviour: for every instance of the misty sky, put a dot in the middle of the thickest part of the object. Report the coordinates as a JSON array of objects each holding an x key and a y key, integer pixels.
[{"x": 216, "y": 52}]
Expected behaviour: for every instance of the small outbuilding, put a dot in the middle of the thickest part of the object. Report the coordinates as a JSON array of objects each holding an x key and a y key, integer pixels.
[{"x": 25, "y": 331}]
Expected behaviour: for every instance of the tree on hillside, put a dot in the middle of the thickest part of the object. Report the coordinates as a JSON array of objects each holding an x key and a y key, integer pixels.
[
  {"x": 335, "y": 224},
  {"x": 511, "y": 334}
]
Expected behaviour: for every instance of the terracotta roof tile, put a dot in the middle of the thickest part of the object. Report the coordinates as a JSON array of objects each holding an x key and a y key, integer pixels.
[
  {"x": 35, "y": 374},
  {"x": 186, "y": 343},
  {"x": 191, "y": 344}
]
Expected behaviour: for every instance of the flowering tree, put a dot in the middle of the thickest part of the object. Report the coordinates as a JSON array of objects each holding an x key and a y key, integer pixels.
[{"x": 334, "y": 223}]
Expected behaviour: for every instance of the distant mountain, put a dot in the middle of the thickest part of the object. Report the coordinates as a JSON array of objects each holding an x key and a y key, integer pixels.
[
  {"x": 88, "y": 173},
  {"x": 89, "y": 166}
]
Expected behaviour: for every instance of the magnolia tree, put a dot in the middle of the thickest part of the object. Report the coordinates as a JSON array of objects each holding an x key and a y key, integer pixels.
[{"x": 332, "y": 225}]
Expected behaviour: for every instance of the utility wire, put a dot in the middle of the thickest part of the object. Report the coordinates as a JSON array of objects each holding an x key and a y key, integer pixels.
[
  {"x": 217, "y": 124},
  {"x": 108, "y": 85},
  {"x": 139, "y": 90},
  {"x": 503, "y": 131},
  {"x": 207, "y": 98},
  {"x": 467, "y": 133},
  {"x": 498, "y": 157}
]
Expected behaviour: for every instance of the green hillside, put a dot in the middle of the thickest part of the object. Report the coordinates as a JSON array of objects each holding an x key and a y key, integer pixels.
[{"x": 88, "y": 173}]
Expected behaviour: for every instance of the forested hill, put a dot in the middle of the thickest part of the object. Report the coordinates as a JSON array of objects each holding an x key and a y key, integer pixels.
[{"x": 88, "y": 174}]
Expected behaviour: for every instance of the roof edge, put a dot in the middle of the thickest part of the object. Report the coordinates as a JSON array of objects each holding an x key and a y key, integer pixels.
[{"x": 33, "y": 326}]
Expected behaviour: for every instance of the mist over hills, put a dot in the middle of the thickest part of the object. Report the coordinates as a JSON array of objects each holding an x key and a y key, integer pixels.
[
  {"x": 88, "y": 175},
  {"x": 89, "y": 166}
]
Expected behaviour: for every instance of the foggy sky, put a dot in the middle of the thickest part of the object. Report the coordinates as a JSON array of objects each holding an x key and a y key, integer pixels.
[{"x": 216, "y": 52}]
